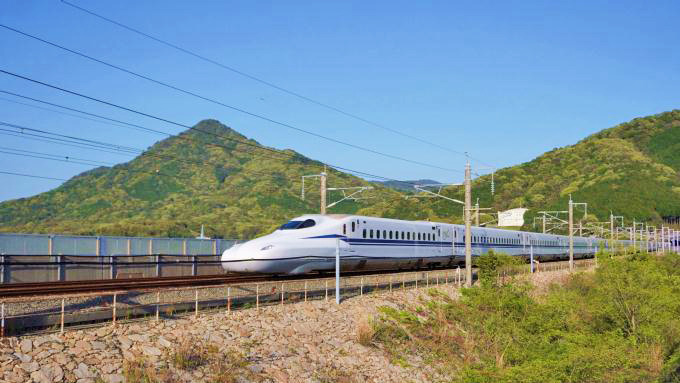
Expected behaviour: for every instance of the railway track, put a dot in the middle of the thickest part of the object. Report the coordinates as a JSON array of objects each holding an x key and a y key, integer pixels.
[
  {"x": 21, "y": 290},
  {"x": 97, "y": 286}
]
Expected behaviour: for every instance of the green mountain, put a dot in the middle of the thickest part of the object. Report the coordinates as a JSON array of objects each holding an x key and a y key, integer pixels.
[
  {"x": 215, "y": 176},
  {"x": 210, "y": 175},
  {"x": 632, "y": 169}
]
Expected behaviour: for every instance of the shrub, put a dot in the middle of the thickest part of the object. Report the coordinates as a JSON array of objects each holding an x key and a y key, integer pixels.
[
  {"x": 618, "y": 324},
  {"x": 490, "y": 264}
]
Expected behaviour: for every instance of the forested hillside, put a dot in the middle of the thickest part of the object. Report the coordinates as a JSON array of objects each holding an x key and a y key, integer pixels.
[
  {"x": 631, "y": 169},
  {"x": 211, "y": 175},
  {"x": 215, "y": 176}
]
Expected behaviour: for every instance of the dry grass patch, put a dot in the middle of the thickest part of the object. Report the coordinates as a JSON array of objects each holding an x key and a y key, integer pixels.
[
  {"x": 140, "y": 371},
  {"x": 190, "y": 355},
  {"x": 219, "y": 366},
  {"x": 333, "y": 374},
  {"x": 365, "y": 331}
]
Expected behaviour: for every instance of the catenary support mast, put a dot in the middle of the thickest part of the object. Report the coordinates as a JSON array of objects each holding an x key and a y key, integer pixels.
[{"x": 468, "y": 229}]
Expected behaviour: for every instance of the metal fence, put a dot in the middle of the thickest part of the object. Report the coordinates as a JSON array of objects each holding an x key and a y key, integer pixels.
[{"x": 46, "y": 258}]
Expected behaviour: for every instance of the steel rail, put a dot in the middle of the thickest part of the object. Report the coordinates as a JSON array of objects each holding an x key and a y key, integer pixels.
[
  {"x": 95, "y": 286},
  {"x": 18, "y": 290}
]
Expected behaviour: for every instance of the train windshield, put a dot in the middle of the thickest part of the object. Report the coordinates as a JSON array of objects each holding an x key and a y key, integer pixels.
[{"x": 291, "y": 225}]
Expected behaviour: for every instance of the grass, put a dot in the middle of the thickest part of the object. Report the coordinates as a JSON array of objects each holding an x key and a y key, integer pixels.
[
  {"x": 140, "y": 371},
  {"x": 365, "y": 332},
  {"x": 230, "y": 368},
  {"x": 620, "y": 323},
  {"x": 189, "y": 356}
]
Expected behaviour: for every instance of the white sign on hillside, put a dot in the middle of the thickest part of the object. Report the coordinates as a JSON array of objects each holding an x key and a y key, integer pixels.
[{"x": 512, "y": 217}]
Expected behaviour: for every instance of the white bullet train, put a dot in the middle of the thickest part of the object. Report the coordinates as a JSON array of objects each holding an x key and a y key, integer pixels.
[{"x": 308, "y": 244}]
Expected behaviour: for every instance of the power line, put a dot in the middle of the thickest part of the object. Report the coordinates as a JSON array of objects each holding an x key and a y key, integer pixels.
[
  {"x": 87, "y": 144},
  {"x": 97, "y": 145},
  {"x": 182, "y": 125},
  {"x": 160, "y": 132},
  {"x": 85, "y": 140},
  {"x": 268, "y": 83},
  {"x": 60, "y": 112},
  {"x": 80, "y": 161},
  {"x": 39, "y": 138},
  {"x": 53, "y": 157},
  {"x": 33, "y": 176},
  {"x": 220, "y": 103}
]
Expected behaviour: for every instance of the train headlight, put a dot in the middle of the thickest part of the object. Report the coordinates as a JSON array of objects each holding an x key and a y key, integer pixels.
[{"x": 266, "y": 247}]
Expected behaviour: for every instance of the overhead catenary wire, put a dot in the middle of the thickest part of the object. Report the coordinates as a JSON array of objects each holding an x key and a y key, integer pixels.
[
  {"x": 268, "y": 83},
  {"x": 228, "y": 106},
  {"x": 356, "y": 172}
]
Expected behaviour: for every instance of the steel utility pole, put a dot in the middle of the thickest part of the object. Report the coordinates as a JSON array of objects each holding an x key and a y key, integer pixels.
[
  {"x": 571, "y": 233},
  {"x": 468, "y": 229},
  {"x": 634, "y": 232},
  {"x": 544, "y": 223},
  {"x": 323, "y": 192}
]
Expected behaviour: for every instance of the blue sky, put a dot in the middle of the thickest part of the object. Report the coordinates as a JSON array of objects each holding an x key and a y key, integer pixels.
[{"x": 505, "y": 81}]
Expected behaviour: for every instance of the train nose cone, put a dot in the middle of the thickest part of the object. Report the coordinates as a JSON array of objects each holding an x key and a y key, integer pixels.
[{"x": 230, "y": 258}]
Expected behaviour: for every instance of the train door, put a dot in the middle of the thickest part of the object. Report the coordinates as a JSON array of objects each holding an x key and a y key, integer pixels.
[
  {"x": 448, "y": 239},
  {"x": 438, "y": 234}
]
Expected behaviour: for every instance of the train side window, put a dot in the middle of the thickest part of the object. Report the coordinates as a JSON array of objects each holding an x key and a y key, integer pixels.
[
  {"x": 419, "y": 236},
  {"x": 353, "y": 226},
  {"x": 371, "y": 233},
  {"x": 364, "y": 233},
  {"x": 377, "y": 233},
  {"x": 385, "y": 234},
  {"x": 344, "y": 229},
  {"x": 390, "y": 234}
]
